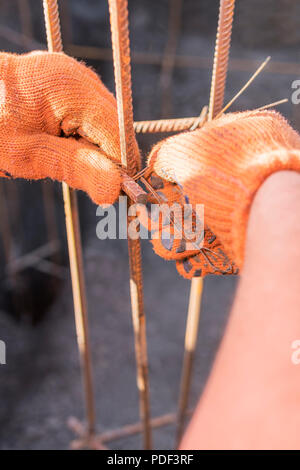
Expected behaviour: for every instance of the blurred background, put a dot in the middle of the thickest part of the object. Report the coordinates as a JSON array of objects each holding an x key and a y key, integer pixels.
[{"x": 172, "y": 50}]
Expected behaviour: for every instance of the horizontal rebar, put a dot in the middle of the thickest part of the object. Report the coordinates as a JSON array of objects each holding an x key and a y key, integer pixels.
[
  {"x": 125, "y": 431},
  {"x": 167, "y": 125},
  {"x": 150, "y": 58}
]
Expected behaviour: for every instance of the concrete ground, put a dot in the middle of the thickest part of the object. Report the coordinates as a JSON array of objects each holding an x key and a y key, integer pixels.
[{"x": 40, "y": 386}]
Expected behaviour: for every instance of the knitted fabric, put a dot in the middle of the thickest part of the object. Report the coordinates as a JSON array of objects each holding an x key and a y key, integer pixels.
[
  {"x": 45, "y": 98},
  {"x": 177, "y": 237},
  {"x": 223, "y": 164},
  {"x": 57, "y": 120}
]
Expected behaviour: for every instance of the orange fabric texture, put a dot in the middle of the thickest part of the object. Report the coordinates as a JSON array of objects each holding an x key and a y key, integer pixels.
[
  {"x": 222, "y": 165},
  {"x": 57, "y": 120},
  {"x": 46, "y": 97},
  {"x": 177, "y": 235}
]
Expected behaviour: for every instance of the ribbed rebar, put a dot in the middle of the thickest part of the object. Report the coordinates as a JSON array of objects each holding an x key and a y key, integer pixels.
[
  {"x": 221, "y": 57},
  {"x": 168, "y": 60},
  {"x": 74, "y": 244},
  {"x": 168, "y": 125},
  {"x": 131, "y": 160},
  {"x": 52, "y": 26}
]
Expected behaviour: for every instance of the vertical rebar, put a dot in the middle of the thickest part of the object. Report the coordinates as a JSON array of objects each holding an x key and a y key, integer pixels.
[
  {"x": 25, "y": 18},
  {"x": 222, "y": 49},
  {"x": 5, "y": 226},
  {"x": 218, "y": 84},
  {"x": 191, "y": 334},
  {"x": 66, "y": 22},
  {"x": 168, "y": 60},
  {"x": 47, "y": 187},
  {"x": 122, "y": 69},
  {"x": 74, "y": 243}
]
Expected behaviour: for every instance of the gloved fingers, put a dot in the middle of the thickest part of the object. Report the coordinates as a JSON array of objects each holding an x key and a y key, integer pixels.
[
  {"x": 50, "y": 92},
  {"x": 169, "y": 158},
  {"x": 182, "y": 157},
  {"x": 78, "y": 163},
  {"x": 211, "y": 259},
  {"x": 101, "y": 130}
]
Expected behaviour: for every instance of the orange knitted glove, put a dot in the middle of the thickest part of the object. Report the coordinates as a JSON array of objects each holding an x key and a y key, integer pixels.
[
  {"x": 45, "y": 98},
  {"x": 222, "y": 165}
]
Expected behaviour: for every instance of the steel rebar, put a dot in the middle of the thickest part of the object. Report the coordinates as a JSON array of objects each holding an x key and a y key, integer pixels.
[
  {"x": 122, "y": 69},
  {"x": 168, "y": 60},
  {"x": 74, "y": 244}
]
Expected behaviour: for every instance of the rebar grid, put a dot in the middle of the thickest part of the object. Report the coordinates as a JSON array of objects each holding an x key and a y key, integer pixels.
[
  {"x": 47, "y": 188},
  {"x": 74, "y": 244},
  {"x": 150, "y": 58},
  {"x": 72, "y": 222},
  {"x": 180, "y": 61}
]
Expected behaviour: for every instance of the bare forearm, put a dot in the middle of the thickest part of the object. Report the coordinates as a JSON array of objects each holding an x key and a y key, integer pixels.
[{"x": 252, "y": 399}]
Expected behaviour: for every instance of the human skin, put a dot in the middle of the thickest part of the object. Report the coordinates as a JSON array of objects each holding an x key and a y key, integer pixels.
[{"x": 252, "y": 398}]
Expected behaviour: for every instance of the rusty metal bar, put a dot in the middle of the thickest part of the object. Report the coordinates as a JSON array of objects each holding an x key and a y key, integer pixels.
[
  {"x": 49, "y": 212},
  {"x": 221, "y": 57},
  {"x": 150, "y": 58},
  {"x": 25, "y": 18},
  {"x": 34, "y": 257},
  {"x": 96, "y": 442},
  {"x": 5, "y": 226},
  {"x": 74, "y": 243},
  {"x": 220, "y": 67},
  {"x": 170, "y": 125},
  {"x": 47, "y": 188},
  {"x": 168, "y": 60},
  {"x": 66, "y": 22},
  {"x": 133, "y": 190},
  {"x": 191, "y": 333},
  {"x": 121, "y": 54}
]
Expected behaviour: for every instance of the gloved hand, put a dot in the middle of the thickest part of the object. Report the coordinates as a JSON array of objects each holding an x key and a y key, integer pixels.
[
  {"x": 58, "y": 120},
  {"x": 222, "y": 165}
]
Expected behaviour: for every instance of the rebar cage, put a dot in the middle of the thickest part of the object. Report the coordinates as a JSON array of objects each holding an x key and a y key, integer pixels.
[{"x": 87, "y": 436}]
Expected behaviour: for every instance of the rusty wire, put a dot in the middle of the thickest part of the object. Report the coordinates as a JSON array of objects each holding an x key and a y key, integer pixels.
[
  {"x": 219, "y": 75},
  {"x": 74, "y": 243},
  {"x": 121, "y": 55}
]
